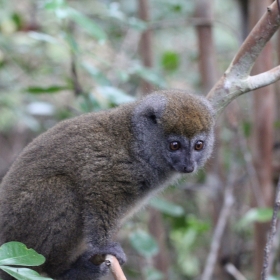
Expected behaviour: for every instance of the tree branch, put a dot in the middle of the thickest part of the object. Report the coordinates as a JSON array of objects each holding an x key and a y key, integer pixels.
[
  {"x": 112, "y": 262},
  {"x": 115, "y": 267},
  {"x": 232, "y": 270},
  {"x": 219, "y": 230},
  {"x": 264, "y": 79},
  {"x": 237, "y": 80},
  {"x": 271, "y": 234}
]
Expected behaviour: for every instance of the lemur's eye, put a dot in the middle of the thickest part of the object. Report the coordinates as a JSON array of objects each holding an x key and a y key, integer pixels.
[
  {"x": 175, "y": 145},
  {"x": 199, "y": 145}
]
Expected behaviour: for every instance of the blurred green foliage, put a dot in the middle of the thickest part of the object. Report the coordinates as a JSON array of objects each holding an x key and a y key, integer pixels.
[
  {"x": 59, "y": 59},
  {"x": 170, "y": 61}
]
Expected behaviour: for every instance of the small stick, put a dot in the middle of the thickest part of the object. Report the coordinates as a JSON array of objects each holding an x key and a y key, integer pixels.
[
  {"x": 271, "y": 234},
  {"x": 231, "y": 269},
  {"x": 112, "y": 262}
]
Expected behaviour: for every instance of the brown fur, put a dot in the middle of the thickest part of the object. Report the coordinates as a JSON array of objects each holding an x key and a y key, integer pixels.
[{"x": 67, "y": 192}]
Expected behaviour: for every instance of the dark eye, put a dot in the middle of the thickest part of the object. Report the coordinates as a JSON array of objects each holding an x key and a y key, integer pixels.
[
  {"x": 199, "y": 145},
  {"x": 175, "y": 145}
]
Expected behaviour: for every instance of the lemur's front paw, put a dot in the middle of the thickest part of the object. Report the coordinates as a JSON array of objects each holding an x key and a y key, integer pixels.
[{"x": 112, "y": 248}]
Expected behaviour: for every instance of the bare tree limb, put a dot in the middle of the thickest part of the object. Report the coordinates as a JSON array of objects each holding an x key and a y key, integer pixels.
[
  {"x": 219, "y": 230},
  {"x": 237, "y": 80},
  {"x": 251, "y": 170},
  {"x": 271, "y": 234},
  {"x": 74, "y": 74},
  {"x": 266, "y": 78},
  {"x": 232, "y": 270},
  {"x": 275, "y": 247}
]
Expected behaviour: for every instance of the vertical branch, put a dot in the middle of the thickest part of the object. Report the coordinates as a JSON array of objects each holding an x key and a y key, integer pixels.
[
  {"x": 145, "y": 46},
  {"x": 263, "y": 119},
  {"x": 271, "y": 234},
  {"x": 77, "y": 88},
  {"x": 207, "y": 58},
  {"x": 219, "y": 230},
  {"x": 74, "y": 75}
]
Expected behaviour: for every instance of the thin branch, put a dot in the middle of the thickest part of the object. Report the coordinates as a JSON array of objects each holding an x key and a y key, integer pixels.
[
  {"x": 112, "y": 262},
  {"x": 115, "y": 267},
  {"x": 232, "y": 270},
  {"x": 77, "y": 88},
  {"x": 275, "y": 247},
  {"x": 236, "y": 79},
  {"x": 251, "y": 170},
  {"x": 74, "y": 75},
  {"x": 271, "y": 234},
  {"x": 218, "y": 233},
  {"x": 264, "y": 79}
]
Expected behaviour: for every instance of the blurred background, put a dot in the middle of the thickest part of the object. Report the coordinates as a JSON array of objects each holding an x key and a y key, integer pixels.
[{"x": 59, "y": 59}]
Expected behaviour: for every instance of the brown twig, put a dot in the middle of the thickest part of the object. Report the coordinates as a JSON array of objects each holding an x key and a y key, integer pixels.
[
  {"x": 271, "y": 234},
  {"x": 75, "y": 80},
  {"x": 77, "y": 88},
  {"x": 115, "y": 267},
  {"x": 112, "y": 262}
]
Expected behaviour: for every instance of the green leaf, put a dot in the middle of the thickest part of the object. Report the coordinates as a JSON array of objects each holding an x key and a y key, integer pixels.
[
  {"x": 18, "y": 20},
  {"x": 167, "y": 207},
  {"x": 87, "y": 24},
  {"x": 247, "y": 128},
  {"x": 144, "y": 243},
  {"x": 42, "y": 90},
  {"x": 277, "y": 124},
  {"x": 177, "y": 8},
  {"x": 54, "y": 4},
  {"x": 256, "y": 215},
  {"x": 16, "y": 253},
  {"x": 23, "y": 273},
  {"x": 198, "y": 225},
  {"x": 170, "y": 60}
]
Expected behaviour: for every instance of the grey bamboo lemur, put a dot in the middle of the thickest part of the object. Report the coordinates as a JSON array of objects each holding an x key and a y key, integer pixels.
[{"x": 71, "y": 188}]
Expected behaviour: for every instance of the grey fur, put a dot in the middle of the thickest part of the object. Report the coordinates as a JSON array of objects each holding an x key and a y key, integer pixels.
[{"x": 67, "y": 193}]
